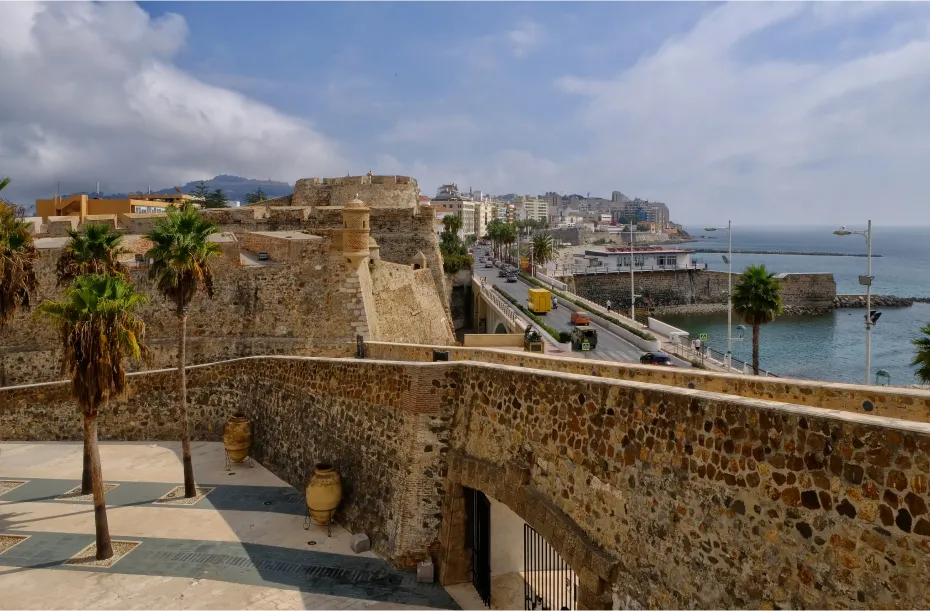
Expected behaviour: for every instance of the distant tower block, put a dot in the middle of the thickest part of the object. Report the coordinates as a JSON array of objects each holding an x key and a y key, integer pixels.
[{"x": 355, "y": 232}]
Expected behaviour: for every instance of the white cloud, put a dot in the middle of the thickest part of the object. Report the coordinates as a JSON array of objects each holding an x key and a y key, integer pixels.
[
  {"x": 90, "y": 93},
  {"x": 712, "y": 133},
  {"x": 527, "y": 35},
  {"x": 433, "y": 130}
]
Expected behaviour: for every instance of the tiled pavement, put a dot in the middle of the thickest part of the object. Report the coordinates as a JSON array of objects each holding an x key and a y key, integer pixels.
[{"x": 243, "y": 546}]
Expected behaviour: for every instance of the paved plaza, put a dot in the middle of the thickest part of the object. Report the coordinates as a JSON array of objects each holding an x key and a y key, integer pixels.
[{"x": 243, "y": 546}]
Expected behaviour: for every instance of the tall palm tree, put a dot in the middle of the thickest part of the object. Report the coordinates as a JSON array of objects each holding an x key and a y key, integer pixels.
[
  {"x": 452, "y": 224},
  {"x": 18, "y": 279},
  {"x": 98, "y": 329},
  {"x": 543, "y": 250},
  {"x": 922, "y": 358},
  {"x": 509, "y": 234},
  {"x": 180, "y": 255},
  {"x": 93, "y": 250},
  {"x": 758, "y": 301}
]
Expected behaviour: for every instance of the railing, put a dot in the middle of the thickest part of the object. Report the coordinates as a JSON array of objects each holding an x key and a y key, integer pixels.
[
  {"x": 505, "y": 308},
  {"x": 688, "y": 353},
  {"x": 581, "y": 270}
]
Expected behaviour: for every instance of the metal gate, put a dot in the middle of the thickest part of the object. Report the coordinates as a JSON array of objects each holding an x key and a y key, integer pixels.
[
  {"x": 548, "y": 581},
  {"x": 479, "y": 524}
]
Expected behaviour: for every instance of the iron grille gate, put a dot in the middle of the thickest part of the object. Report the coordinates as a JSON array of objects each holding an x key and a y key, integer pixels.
[
  {"x": 481, "y": 545},
  {"x": 548, "y": 582}
]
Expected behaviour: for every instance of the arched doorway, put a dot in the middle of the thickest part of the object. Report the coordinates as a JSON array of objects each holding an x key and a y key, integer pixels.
[{"x": 501, "y": 329}]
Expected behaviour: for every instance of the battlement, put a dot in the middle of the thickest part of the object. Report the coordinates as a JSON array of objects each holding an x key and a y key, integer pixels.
[
  {"x": 368, "y": 179},
  {"x": 375, "y": 191}
]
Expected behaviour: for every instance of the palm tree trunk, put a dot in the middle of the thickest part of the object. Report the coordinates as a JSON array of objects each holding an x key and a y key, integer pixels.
[
  {"x": 104, "y": 547},
  {"x": 190, "y": 490},
  {"x": 86, "y": 474},
  {"x": 755, "y": 348}
]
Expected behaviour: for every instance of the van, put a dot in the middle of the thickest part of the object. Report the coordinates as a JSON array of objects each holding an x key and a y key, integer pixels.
[{"x": 539, "y": 301}]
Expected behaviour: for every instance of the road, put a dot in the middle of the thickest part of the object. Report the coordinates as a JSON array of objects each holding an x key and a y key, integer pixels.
[{"x": 609, "y": 346}]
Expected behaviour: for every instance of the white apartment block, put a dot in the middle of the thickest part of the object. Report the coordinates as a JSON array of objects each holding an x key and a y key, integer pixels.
[{"x": 531, "y": 208}]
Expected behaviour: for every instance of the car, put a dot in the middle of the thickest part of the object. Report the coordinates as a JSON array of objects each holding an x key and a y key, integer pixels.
[
  {"x": 511, "y": 277},
  {"x": 581, "y": 318},
  {"x": 656, "y": 358},
  {"x": 502, "y": 273},
  {"x": 584, "y": 338},
  {"x": 488, "y": 265}
]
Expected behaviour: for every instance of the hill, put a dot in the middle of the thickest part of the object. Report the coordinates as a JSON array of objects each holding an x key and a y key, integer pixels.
[{"x": 235, "y": 188}]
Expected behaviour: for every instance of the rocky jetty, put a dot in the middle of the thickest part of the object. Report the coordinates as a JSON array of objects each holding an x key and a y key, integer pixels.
[
  {"x": 882, "y": 301},
  {"x": 782, "y": 252}
]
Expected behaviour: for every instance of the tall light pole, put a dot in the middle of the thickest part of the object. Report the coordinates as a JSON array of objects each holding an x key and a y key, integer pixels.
[
  {"x": 867, "y": 282},
  {"x": 632, "y": 288},
  {"x": 729, "y": 262}
]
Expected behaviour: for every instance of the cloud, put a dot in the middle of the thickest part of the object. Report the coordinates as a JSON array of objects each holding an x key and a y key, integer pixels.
[
  {"x": 435, "y": 130},
  {"x": 712, "y": 129},
  {"x": 90, "y": 92},
  {"x": 527, "y": 35}
]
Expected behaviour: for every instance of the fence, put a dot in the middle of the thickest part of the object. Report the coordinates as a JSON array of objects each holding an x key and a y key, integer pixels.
[
  {"x": 688, "y": 353},
  {"x": 581, "y": 270}
]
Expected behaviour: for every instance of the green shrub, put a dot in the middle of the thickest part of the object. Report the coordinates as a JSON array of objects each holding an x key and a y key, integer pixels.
[
  {"x": 633, "y": 330},
  {"x": 453, "y": 262},
  {"x": 565, "y": 337}
]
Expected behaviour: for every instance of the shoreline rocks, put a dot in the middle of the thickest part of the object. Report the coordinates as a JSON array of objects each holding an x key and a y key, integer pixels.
[{"x": 881, "y": 301}]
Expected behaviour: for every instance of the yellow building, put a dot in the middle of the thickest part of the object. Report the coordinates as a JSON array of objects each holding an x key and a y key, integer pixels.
[{"x": 83, "y": 205}]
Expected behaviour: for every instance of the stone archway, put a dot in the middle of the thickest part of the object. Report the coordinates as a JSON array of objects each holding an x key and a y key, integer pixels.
[
  {"x": 510, "y": 485},
  {"x": 501, "y": 328}
]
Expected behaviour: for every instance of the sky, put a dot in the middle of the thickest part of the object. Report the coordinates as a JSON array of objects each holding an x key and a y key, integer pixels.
[{"x": 762, "y": 113}]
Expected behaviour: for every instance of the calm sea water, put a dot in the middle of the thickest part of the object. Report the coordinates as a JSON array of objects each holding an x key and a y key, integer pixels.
[{"x": 831, "y": 346}]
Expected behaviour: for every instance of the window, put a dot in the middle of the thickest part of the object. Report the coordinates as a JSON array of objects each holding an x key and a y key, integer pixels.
[{"x": 640, "y": 260}]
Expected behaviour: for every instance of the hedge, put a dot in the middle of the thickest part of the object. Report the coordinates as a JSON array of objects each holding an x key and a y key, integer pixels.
[
  {"x": 637, "y": 332},
  {"x": 559, "y": 336}
]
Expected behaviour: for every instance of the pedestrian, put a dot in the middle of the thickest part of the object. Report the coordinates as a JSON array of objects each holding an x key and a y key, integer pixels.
[
  {"x": 697, "y": 344},
  {"x": 608, "y": 305}
]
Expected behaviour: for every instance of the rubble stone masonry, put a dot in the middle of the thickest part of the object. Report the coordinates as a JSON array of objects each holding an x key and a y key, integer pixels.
[{"x": 657, "y": 496}]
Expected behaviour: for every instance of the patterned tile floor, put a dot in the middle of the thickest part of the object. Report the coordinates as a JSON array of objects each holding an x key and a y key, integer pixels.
[{"x": 242, "y": 546}]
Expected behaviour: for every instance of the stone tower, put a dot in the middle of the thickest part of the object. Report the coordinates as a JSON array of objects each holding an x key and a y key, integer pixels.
[{"x": 356, "y": 230}]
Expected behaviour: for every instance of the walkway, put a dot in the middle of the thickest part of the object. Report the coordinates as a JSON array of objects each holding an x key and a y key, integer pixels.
[{"x": 242, "y": 546}]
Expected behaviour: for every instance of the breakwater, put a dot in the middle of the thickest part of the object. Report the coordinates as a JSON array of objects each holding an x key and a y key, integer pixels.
[
  {"x": 882, "y": 301},
  {"x": 781, "y": 252}
]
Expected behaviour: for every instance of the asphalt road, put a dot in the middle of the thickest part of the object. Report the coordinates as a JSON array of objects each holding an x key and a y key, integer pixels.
[{"x": 609, "y": 346}]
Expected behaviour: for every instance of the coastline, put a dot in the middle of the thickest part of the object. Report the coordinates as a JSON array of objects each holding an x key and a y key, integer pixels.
[{"x": 839, "y": 302}]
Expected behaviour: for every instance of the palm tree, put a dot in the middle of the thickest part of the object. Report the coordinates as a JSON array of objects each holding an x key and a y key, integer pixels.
[
  {"x": 452, "y": 224},
  {"x": 922, "y": 358},
  {"x": 93, "y": 250},
  {"x": 98, "y": 328},
  {"x": 543, "y": 250},
  {"x": 18, "y": 279},
  {"x": 180, "y": 252},
  {"x": 757, "y": 300},
  {"x": 509, "y": 234}
]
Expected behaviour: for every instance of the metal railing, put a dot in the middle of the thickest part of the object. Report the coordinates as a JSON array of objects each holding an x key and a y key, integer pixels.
[
  {"x": 581, "y": 270},
  {"x": 706, "y": 353},
  {"x": 502, "y": 305}
]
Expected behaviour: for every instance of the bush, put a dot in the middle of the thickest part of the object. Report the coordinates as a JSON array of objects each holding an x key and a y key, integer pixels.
[
  {"x": 565, "y": 337},
  {"x": 624, "y": 326},
  {"x": 556, "y": 335},
  {"x": 452, "y": 263}
]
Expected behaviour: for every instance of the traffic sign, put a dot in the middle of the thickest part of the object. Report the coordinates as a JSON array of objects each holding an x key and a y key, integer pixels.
[{"x": 702, "y": 337}]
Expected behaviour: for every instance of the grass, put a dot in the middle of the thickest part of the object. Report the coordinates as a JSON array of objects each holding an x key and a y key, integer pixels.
[
  {"x": 637, "y": 332},
  {"x": 559, "y": 336}
]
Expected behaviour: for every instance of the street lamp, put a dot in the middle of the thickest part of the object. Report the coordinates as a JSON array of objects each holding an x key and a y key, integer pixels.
[
  {"x": 871, "y": 317},
  {"x": 729, "y": 261}
]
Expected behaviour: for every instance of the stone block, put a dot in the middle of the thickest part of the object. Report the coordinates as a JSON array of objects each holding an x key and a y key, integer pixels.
[
  {"x": 425, "y": 572},
  {"x": 360, "y": 543}
]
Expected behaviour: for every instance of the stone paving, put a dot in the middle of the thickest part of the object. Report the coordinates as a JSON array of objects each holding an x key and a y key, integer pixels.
[{"x": 242, "y": 546}]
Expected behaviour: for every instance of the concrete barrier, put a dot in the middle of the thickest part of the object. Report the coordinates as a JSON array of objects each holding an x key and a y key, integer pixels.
[
  {"x": 551, "y": 281},
  {"x": 494, "y": 340},
  {"x": 664, "y": 328},
  {"x": 645, "y": 345}
]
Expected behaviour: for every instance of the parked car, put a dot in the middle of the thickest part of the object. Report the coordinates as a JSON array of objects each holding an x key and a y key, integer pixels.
[
  {"x": 581, "y": 318},
  {"x": 584, "y": 338},
  {"x": 656, "y": 358}
]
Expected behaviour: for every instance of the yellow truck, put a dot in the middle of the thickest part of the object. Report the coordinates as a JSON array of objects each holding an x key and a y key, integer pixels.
[{"x": 539, "y": 301}]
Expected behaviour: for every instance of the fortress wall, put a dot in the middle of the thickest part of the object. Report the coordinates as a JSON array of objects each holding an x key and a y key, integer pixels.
[
  {"x": 658, "y": 497},
  {"x": 886, "y": 401},
  {"x": 669, "y": 289},
  {"x": 376, "y": 191},
  {"x": 409, "y": 308}
]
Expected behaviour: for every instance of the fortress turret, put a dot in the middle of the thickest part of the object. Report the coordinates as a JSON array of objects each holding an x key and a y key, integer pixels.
[{"x": 356, "y": 230}]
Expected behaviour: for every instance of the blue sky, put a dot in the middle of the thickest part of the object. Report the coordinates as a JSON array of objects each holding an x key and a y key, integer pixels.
[{"x": 755, "y": 112}]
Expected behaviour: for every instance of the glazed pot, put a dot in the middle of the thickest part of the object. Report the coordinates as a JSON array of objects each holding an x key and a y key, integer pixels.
[
  {"x": 324, "y": 493},
  {"x": 237, "y": 437}
]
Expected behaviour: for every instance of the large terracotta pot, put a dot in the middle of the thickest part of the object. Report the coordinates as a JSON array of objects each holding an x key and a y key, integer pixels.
[
  {"x": 237, "y": 437},
  {"x": 324, "y": 493}
]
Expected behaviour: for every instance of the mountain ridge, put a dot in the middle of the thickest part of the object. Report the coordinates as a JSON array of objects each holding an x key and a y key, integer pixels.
[{"x": 235, "y": 188}]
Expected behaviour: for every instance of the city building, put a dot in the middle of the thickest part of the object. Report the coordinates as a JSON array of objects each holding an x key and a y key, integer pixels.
[
  {"x": 655, "y": 213},
  {"x": 450, "y": 197},
  {"x": 646, "y": 258},
  {"x": 554, "y": 203},
  {"x": 82, "y": 205},
  {"x": 531, "y": 208}
]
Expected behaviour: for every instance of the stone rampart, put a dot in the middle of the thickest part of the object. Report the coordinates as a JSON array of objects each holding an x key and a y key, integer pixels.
[
  {"x": 671, "y": 290},
  {"x": 376, "y": 191},
  {"x": 657, "y": 497}
]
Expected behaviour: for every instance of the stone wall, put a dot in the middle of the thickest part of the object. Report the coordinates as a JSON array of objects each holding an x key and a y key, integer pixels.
[
  {"x": 408, "y": 307},
  {"x": 376, "y": 191},
  {"x": 669, "y": 290},
  {"x": 887, "y": 401},
  {"x": 657, "y": 496}
]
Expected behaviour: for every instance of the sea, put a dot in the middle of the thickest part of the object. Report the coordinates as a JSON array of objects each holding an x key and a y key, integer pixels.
[{"x": 830, "y": 346}]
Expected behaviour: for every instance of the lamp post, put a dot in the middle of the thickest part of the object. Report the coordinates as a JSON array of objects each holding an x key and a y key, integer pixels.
[
  {"x": 632, "y": 287},
  {"x": 729, "y": 261},
  {"x": 870, "y": 318}
]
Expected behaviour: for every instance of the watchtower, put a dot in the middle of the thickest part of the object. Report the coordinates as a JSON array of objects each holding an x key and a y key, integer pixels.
[{"x": 356, "y": 230}]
